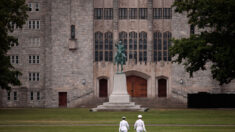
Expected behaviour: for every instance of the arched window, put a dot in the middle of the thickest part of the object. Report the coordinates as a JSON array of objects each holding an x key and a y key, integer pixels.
[
  {"x": 108, "y": 50},
  {"x": 143, "y": 46},
  {"x": 103, "y": 46},
  {"x": 157, "y": 46},
  {"x": 166, "y": 45},
  {"x": 123, "y": 38},
  {"x": 133, "y": 46}
]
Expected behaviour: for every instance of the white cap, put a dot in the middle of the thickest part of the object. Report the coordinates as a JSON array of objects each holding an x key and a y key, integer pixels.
[
  {"x": 123, "y": 117},
  {"x": 139, "y": 116}
]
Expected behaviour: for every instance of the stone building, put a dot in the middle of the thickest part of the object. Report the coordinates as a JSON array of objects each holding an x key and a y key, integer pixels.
[{"x": 66, "y": 51}]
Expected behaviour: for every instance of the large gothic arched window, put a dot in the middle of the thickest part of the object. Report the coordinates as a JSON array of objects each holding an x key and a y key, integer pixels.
[
  {"x": 166, "y": 46},
  {"x": 103, "y": 46},
  {"x": 133, "y": 46},
  {"x": 98, "y": 46},
  {"x": 157, "y": 46},
  {"x": 143, "y": 46},
  {"x": 108, "y": 39},
  {"x": 161, "y": 46}
]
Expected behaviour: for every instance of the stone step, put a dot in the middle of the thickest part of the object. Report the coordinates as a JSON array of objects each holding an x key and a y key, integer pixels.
[
  {"x": 119, "y": 104},
  {"x": 119, "y": 107}
]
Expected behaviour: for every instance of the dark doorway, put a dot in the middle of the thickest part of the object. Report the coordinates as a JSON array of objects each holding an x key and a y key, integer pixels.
[
  {"x": 103, "y": 92},
  {"x": 162, "y": 88},
  {"x": 62, "y": 99},
  {"x": 136, "y": 86}
]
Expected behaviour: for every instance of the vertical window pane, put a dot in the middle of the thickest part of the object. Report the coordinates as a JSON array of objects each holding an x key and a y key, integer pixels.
[
  {"x": 108, "y": 13},
  {"x": 123, "y": 14},
  {"x": 101, "y": 56},
  {"x": 133, "y": 13},
  {"x": 8, "y": 95},
  {"x": 106, "y": 55},
  {"x": 98, "y": 13},
  {"x": 143, "y": 13},
  {"x": 15, "y": 95},
  {"x": 96, "y": 55},
  {"x": 38, "y": 95},
  {"x": 31, "y": 95},
  {"x": 142, "y": 46},
  {"x": 36, "y": 6},
  {"x": 157, "y": 13},
  {"x": 72, "y": 32}
]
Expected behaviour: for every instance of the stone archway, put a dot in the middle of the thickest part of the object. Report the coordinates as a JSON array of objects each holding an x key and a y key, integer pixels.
[
  {"x": 103, "y": 88},
  {"x": 136, "y": 86},
  {"x": 162, "y": 87}
]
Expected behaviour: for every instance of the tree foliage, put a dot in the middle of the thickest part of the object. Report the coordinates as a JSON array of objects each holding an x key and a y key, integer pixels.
[
  {"x": 216, "y": 41},
  {"x": 12, "y": 12}
]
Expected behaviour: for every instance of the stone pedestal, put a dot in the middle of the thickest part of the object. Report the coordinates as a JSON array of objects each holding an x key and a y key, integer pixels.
[
  {"x": 119, "y": 99},
  {"x": 119, "y": 93}
]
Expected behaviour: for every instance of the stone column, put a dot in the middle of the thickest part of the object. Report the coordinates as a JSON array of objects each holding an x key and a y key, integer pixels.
[
  {"x": 115, "y": 21},
  {"x": 150, "y": 31}
]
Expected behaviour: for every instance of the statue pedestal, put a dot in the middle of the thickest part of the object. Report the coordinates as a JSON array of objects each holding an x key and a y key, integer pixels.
[
  {"x": 119, "y": 94},
  {"x": 119, "y": 99}
]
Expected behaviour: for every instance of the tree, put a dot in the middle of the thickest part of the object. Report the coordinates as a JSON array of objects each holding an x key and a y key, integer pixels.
[
  {"x": 12, "y": 12},
  {"x": 216, "y": 41}
]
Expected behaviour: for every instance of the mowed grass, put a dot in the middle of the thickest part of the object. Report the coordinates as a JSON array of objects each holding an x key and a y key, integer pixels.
[
  {"x": 37, "y": 120},
  {"x": 114, "y": 129}
]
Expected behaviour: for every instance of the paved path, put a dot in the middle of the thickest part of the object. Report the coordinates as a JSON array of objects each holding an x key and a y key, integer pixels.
[{"x": 168, "y": 125}]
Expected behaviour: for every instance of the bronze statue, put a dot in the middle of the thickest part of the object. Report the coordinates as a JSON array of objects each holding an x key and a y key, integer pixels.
[{"x": 120, "y": 57}]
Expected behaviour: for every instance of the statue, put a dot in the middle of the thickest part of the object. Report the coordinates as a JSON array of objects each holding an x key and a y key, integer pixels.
[{"x": 120, "y": 57}]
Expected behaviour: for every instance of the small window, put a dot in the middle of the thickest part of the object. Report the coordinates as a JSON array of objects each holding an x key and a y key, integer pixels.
[
  {"x": 38, "y": 96},
  {"x": 14, "y": 59},
  {"x": 30, "y": 24},
  {"x": 167, "y": 13},
  {"x": 17, "y": 59},
  {"x": 34, "y": 59},
  {"x": 123, "y": 14},
  {"x": 38, "y": 24},
  {"x": 34, "y": 24},
  {"x": 72, "y": 31},
  {"x": 29, "y": 6},
  {"x": 143, "y": 14},
  {"x": 37, "y": 59},
  {"x": 157, "y": 13},
  {"x": 98, "y": 13},
  {"x": 133, "y": 13},
  {"x": 34, "y": 76},
  {"x": 15, "y": 95},
  {"x": 36, "y": 6},
  {"x": 8, "y": 95},
  {"x": 31, "y": 95},
  {"x": 108, "y": 13},
  {"x": 37, "y": 79}
]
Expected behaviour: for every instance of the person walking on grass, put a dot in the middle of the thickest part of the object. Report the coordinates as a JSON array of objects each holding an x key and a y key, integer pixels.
[
  {"x": 139, "y": 125},
  {"x": 124, "y": 126}
]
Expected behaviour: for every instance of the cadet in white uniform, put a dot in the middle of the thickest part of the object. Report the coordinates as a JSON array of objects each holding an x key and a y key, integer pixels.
[
  {"x": 139, "y": 125},
  {"x": 124, "y": 126}
]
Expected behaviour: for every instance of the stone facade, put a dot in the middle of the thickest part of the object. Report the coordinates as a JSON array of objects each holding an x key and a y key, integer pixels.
[{"x": 67, "y": 65}]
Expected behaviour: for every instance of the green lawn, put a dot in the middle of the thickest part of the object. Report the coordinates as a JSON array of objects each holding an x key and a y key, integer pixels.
[{"x": 57, "y": 117}]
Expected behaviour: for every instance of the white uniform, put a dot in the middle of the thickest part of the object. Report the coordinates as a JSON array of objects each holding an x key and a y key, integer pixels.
[
  {"x": 139, "y": 126},
  {"x": 124, "y": 126}
]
